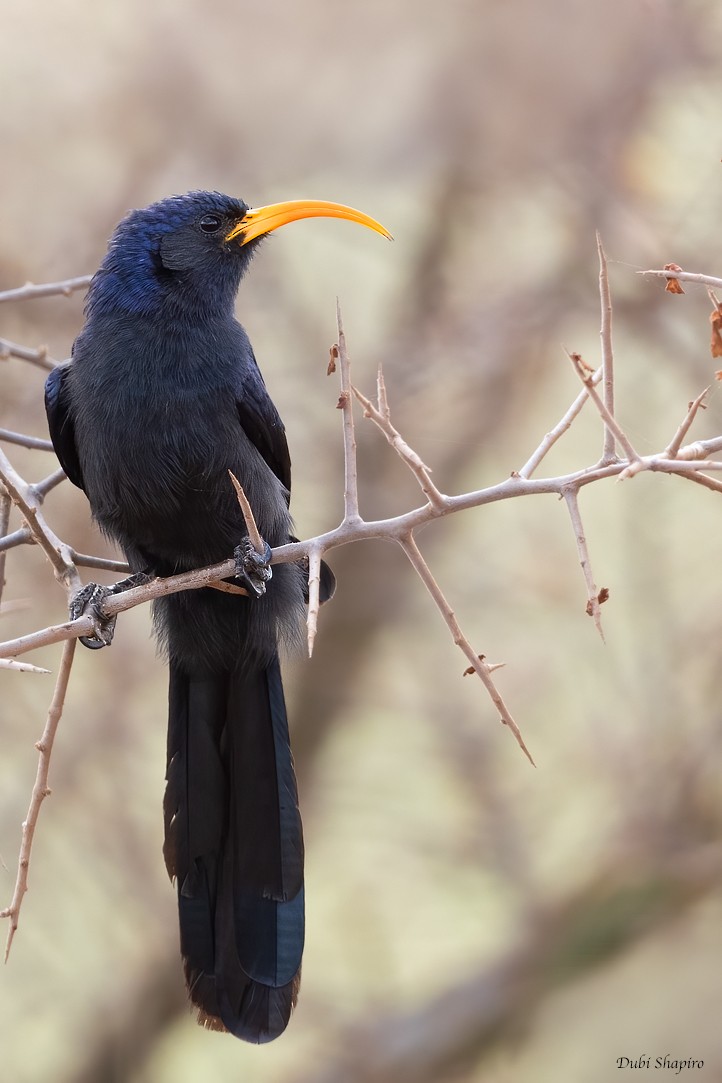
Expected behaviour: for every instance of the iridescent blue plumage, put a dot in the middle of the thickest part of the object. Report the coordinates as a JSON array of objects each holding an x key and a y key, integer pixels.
[{"x": 139, "y": 273}]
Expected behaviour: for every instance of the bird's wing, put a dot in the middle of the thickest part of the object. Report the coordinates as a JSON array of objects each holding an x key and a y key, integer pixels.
[
  {"x": 263, "y": 427},
  {"x": 60, "y": 423}
]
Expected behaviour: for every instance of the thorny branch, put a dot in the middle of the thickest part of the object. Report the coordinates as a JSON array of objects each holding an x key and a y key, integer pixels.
[
  {"x": 248, "y": 518},
  {"x": 605, "y": 334},
  {"x": 562, "y": 426},
  {"x": 28, "y": 499},
  {"x": 594, "y": 596},
  {"x": 5, "y": 504},
  {"x": 40, "y": 791},
  {"x": 478, "y": 663},
  {"x": 672, "y": 449},
  {"x": 691, "y": 461},
  {"x": 381, "y": 417},
  {"x": 350, "y": 496},
  {"x": 585, "y": 374}
]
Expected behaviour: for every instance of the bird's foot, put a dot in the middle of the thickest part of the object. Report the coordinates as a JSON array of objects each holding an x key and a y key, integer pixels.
[
  {"x": 253, "y": 569},
  {"x": 89, "y": 601}
]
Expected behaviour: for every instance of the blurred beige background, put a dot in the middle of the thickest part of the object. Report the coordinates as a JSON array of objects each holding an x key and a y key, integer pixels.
[{"x": 468, "y": 916}]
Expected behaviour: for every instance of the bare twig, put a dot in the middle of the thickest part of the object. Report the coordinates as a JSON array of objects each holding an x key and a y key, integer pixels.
[
  {"x": 40, "y": 791},
  {"x": 700, "y": 448},
  {"x": 585, "y": 375},
  {"x": 251, "y": 527},
  {"x": 345, "y": 403},
  {"x": 411, "y": 550},
  {"x": 21, "y": 667},
  {"x": 18, "y": 537},
  {"x": 46, "y": 289},
  {"x": 659, "y": 463},
  {"x": 29, "y": 504},
  {"x": 42, "y": 488},
  {"x": 672, "y": 449},
  {"x": 84, "y": 560},
  {"x": 229, "y": 588},
  {"x": 381, "y": 417},
  {"x": 685, "y": 276},
  {"x": 119, "y": 603},
  {"x": 562, "y": 426},
  {"x": 314, "y": 602},
  {"x": 38, "y": 356},
  {"x": 605, "y": 333},
  {"x": 5, "y": 503},
  {"x": 594, "y": 596},
  {"x": 20, "y": 438},
  {"x": 703, "y": 479},
  {"x": 17, "y": 605}
]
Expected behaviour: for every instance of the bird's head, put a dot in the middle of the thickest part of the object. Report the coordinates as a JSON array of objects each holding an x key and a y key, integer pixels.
[{"x": 191, "y": 251}]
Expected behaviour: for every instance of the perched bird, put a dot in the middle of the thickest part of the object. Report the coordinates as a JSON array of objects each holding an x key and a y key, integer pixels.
[{"x": 162, "y": 398}]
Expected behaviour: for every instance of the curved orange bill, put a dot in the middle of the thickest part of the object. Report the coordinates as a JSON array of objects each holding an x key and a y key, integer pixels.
[{"x": 260, "y": 220}]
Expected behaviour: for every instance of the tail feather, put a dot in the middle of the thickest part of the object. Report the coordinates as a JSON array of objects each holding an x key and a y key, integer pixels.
[{"x": 234, "y": 845}]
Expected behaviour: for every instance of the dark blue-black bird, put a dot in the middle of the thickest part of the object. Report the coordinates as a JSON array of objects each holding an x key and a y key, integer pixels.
[{"x": 162, "y": 398}]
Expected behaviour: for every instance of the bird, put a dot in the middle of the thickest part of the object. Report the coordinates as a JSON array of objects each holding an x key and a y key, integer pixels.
[{"x": 161, "y": 398}]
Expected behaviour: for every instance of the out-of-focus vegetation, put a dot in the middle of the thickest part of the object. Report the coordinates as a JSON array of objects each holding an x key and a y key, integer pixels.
[{"x": 466, "y": 913}]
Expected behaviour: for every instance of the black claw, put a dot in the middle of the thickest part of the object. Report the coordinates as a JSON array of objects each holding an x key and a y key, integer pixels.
[
  {"x": 93, "y": 643},
  {"x": 253, "y": 569}
]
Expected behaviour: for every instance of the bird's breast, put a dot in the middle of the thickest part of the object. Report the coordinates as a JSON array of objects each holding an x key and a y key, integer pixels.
[
  {"x": 158, "y": 480},
  {"x": 157, "y": 429}
]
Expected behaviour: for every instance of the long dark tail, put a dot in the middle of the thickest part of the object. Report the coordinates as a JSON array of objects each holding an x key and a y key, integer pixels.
[{"x": 234, "y": 844}]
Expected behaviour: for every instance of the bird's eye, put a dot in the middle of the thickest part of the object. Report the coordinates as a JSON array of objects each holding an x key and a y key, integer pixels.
[{"x": 210, "y": 223}]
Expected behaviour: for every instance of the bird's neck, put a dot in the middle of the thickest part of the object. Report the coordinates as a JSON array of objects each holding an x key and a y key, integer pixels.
[
  {"x": 138, "y": 356},
  {"x": 139, "y": 287}
]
